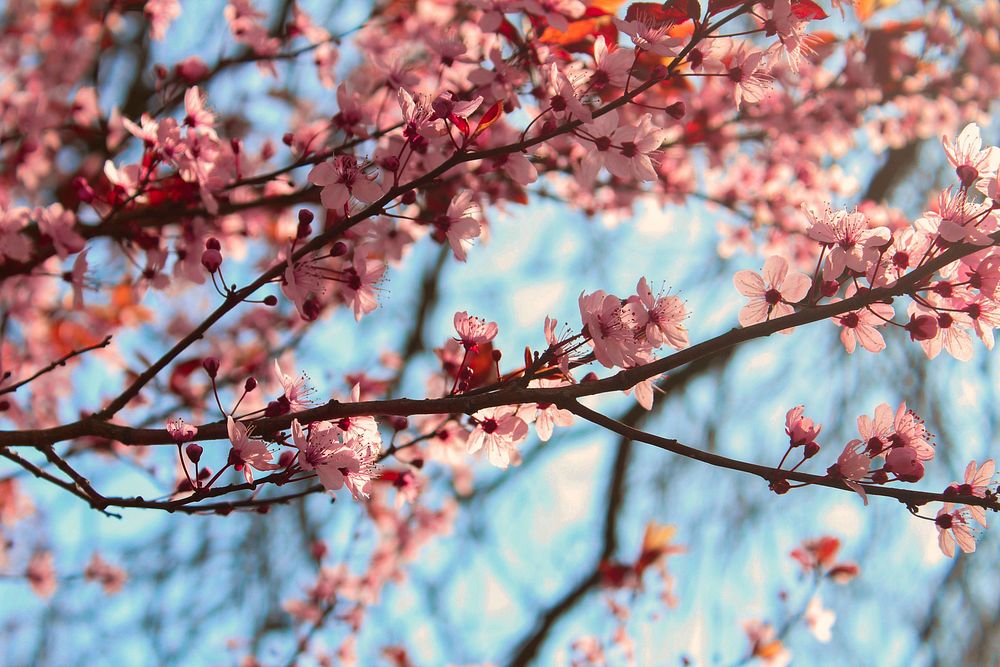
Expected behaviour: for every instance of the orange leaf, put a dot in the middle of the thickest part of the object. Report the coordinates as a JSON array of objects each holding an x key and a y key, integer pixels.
[{"x": 491, "y": 116}]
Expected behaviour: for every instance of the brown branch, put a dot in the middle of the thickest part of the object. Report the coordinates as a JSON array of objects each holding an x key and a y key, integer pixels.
[
  {"x": 55, "y": 364},
  {"x": 905, "y": 496}
]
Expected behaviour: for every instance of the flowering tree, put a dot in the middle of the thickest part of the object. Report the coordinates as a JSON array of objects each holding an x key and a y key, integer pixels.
[{"x": 187, "y": 215}]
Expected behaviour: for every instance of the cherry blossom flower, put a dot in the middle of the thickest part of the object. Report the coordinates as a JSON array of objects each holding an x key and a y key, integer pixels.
[
  {"x": 358, "y": 285},
  {"x": 337, "y": 462},
  {"x": 772, "y": 294},
  {"x": 474, "y": 331},
  {"x": 76, "y": 277},
  {"x": 877, "y": 433},
  {"x": 608, "y": 327},
  {"x": 197, "y": 115},
  {"x": 664, "y": 317},
  {"x": 247, "y": 452},
  {"x": 970, "y": 159},
  {"x": 911, "y": 432},
  {"x": 419, "y": 120},
  {"x": 858, "y": 326},
  {"x": 180, "y": 431},
  {"x": 13, "y": 244},
  {"x": 852, "y": 466},
  {"x": 556, "y": 12},
  {"x": 57, "y": 223},
  {"x": 747, "y": 72},
  {"x": 341, "y": 179},
  {"x": 611, "y": 65},
  {"x": 111, "y": 577},
  {"x": 459, "y": 224},
  {"x": 498, "y": 430},
  {"x": 801, "y": 430},
  {"x": 976, "y": 482},
  {"x": 160, "y": 14},
  {"x": 649, "y": 33},
  {"x": 953, "y": 528},
  {"x": 296, "y": 390},
  {"x": 550, "y": 415},
  {"x": 41, "y": 574},
  {"x": 849, "y": 239},
  {"x": 564, "y": 97}
]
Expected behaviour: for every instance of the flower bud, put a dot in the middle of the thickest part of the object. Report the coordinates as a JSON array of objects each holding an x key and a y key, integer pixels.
[
  {"x": 337, "y": 249},
  {"x": 780, "y": 486},
  {"x": 270, "y": 300},
  {"x": 285, "y": 458},
  {"x": 211, "y": 366},
  {"x": 250, "y": 384},
  {"x": 193, "y": 452},
  {"x": 212, "y": 243},
  {"x": 676, "y": 110},
  {"x": 211, "y": 260},
  {"x": 922, "y": 327},
  {"x": 810, "y": 450},
  {"x": 399, "y": 423}
]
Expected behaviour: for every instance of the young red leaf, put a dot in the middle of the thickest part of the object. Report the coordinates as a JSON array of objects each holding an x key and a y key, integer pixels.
[{"x": 491, "y": 116}]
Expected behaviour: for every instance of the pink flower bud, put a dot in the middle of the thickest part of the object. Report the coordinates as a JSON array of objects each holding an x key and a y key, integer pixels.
[
  {"x": 676, "y": 110},
  {"x": 922, "y": 327},
  {"x": 211, "y": 260},
  {"x": 399, "y": 423},
  {"x": 285, "y": 458},
  {"x": 250, "y": 384},
  {"x": 212, "y": 243},
  {"x": 337, "y": 249}
]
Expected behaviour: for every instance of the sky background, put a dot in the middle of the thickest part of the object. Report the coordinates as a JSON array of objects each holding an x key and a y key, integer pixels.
[{"x": 528, "y": 534}]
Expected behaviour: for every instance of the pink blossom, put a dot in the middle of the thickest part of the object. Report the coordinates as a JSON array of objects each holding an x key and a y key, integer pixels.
[
  {"x": 341, "y": 179},
  {"x": 970, "y": 159},
  {"x": 608, "y": 326},
  {"x": 664, "y": 317},
  {"x": 58, "y": 224},
  {"x": 358, "y": 285},
  {"x": 474, "y": 331},
  {"x": 611, "y": 65},
  {"x": 564, "y": 98},
  {"x": 851, "y": 467},
  {"x": 851, "y": 243},
  {"x": 498, "y": 430},
  {"x": 555, "y": 11},
  {"x": 649, "y": 33},
  {"x": 953, "y": 528},
  {"x": 772, "y": 294},
  {"x": 180, "y": 431},
  {"x": 977, "y": 482},
  {"x": 160, "y": 14},
  {"x": 248, "y": 452},
  {"x": 111, "y": 577},
  {"x": 336, "y": 461},
  {"x": 41, "y": 574},
  {"x": 858, "y": 326},
  {"x": 801, "y": 430},
  {"x": 296, "y": 390},
  {"x": 550, "y": 415},
  {"x": 459, "y": 224},
  {"x": 748, "y": 72}
]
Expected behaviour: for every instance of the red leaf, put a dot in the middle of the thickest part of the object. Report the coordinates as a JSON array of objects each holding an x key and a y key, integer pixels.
[
  {"x": 461, "y": 124},
  {"x": 491, "y": 116},
  {"x": 807, "y": 9},
  {"x": 652, "y": 12}
]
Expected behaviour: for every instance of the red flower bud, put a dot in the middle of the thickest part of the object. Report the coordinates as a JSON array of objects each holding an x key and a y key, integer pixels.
[
  {"x": 193, "y": 452},
  {"x": 211, "y": 366}
]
